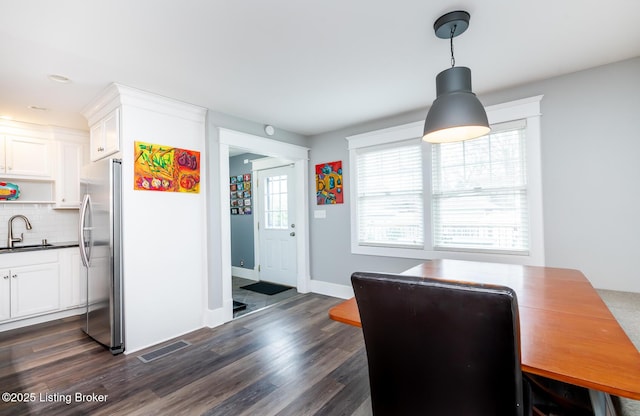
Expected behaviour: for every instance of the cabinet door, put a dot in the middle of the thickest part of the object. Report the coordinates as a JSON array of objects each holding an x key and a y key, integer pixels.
[
  {"x": 105, "y": 136},
  {"x": 5, "y": 295},
  {"x": 73, "y": 286},
  {"x": 96, "y": 138},
  {"x": 68, "y": 178},
  {"x": 28, "y": 157},
  {"x": 3, "y": 156},
  {"x": 35, "y": 289},
  {"x": 112, "y": 133}
]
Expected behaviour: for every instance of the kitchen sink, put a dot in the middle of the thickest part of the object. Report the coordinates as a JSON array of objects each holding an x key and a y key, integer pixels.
[{"x": 32, "y": 247}]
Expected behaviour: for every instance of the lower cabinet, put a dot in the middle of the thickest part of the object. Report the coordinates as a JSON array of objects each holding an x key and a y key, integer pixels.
[
  {"x": 34, "y": 289},
  {"x": 29, "y": 290},
  {"x": 5, "y": 294},
  {"x": 40, "y": 283}
]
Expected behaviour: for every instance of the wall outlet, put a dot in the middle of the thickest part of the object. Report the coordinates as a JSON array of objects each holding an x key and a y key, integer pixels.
[{"x": 241, "y": 262}]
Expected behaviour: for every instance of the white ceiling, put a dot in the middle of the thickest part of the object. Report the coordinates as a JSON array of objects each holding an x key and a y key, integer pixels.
[{"x": 300, "y": 65}]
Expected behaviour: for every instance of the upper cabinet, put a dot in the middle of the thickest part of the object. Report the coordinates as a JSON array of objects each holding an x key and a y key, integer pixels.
[
  {"x": 71, "y": 156},
  {"x": 105, "y": 136},
  {"x": 25, "y": 157},
  {"x": 44, "y": 161}
]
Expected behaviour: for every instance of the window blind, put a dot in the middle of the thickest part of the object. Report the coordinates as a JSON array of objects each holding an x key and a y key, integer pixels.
[
  {"x": 479, "y": 200},
  {"x": 390, "y": 196}
]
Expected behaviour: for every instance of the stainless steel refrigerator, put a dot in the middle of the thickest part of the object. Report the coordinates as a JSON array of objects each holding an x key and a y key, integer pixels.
[{"x": 100, "y": 238}]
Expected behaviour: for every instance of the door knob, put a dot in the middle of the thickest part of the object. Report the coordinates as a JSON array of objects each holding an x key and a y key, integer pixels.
[{"x": 292, "y": 234}]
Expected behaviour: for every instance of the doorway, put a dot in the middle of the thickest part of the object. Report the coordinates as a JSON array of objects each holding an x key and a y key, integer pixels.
[{"x": 278, "y": 152}]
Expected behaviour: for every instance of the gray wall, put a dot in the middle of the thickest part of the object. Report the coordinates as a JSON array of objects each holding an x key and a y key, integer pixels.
[
  {"x": 242, "y": 250},
  {"x": 590, "y": 168}
]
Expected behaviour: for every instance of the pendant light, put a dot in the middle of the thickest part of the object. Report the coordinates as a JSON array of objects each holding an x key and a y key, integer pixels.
[{"x": 456, "y": 114}]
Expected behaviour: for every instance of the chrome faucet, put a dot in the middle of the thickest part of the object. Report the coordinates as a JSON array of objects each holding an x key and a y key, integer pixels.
[{"x": 11, "y": 239}]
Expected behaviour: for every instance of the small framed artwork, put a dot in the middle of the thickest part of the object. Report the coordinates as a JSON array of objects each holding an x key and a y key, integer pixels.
[
  {"x": 247, "y": 202},
  {"x": 239, "y": 178},
  {"x": 240, "y": 186},
  {"x": 329, "y": 183},
  {"x": 247, "y": 210},
  {"x": 234, "y": 179},
  {"x": 246, "y": 194},
  {"x": 246, "y": 177},
  {"x": 234, "y": 211},
  {"x": 233, "y": 187}
]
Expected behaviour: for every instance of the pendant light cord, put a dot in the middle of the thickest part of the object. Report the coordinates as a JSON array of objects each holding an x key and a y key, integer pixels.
[{"x": 453, "y": 32}]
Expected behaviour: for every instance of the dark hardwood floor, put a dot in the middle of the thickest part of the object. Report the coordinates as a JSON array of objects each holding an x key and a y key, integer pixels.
[{"x": 289, "y": 359}]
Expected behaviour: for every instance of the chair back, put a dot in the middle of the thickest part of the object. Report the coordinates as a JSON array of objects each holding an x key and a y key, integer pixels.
[{"x": 440, "y": 348}]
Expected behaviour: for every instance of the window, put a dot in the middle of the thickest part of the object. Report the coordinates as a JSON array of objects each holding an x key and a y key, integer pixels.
[
  {"x": 475, "y": 200},
  {"x": 390, "y": 198},
  {"x": 479, "y": 192},
  {"x": 276, "y": 209}
]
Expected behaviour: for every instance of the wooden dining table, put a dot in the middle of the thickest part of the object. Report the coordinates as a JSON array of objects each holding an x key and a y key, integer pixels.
[{"x": 567, "y": 333}]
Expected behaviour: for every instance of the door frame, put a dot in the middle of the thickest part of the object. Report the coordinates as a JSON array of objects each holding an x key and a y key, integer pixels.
[{"x": 299, "y": 156}]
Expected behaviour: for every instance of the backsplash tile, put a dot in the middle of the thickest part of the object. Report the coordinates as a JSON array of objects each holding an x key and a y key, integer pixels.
[{"x": 55, "y": 225}]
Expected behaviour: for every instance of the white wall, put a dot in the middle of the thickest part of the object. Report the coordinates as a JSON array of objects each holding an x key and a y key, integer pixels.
[
  {"x": 590, "y": 173},
  {"x": 164, "y": 236}
]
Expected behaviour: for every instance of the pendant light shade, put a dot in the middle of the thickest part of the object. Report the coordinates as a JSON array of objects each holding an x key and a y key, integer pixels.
[{"x": 456, "y": 113}]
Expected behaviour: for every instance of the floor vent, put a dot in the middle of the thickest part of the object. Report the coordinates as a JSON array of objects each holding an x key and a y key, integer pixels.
[{"x": 161, "y": 352}]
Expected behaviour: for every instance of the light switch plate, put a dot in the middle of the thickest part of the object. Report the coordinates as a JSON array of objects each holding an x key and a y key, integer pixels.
[{"x": 320, "y": 213}]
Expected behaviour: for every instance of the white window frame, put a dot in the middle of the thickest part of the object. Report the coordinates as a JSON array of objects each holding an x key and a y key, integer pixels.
[{"x": 528, "y": 109}]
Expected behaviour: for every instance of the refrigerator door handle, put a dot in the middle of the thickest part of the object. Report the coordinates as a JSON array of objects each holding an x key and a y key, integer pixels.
[{"x": 86, "y": 202}]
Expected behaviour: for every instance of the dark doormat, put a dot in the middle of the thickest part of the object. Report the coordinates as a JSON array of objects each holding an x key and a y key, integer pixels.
[
  {"x": 239, "y": 306},
  {"x": 265, "y": 288}
]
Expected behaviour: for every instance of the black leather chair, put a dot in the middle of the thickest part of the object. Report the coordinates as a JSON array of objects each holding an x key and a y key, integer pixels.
[{"x": 437, "y": 348}]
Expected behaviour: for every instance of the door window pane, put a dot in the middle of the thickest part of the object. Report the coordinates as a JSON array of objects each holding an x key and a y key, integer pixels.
[{"x": 276, "y": 203}]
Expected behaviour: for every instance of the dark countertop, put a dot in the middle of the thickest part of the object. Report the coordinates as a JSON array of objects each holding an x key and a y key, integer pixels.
[{"x": 36, "y": 247}]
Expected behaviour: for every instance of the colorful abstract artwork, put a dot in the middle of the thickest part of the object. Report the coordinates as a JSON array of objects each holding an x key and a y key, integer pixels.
[
  {"x": 9, "y": 191},
  {"x": 329, "y": 183},
  {"x": 164, "y": 168}
]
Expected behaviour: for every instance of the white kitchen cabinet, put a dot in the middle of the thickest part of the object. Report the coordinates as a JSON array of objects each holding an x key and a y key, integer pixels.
[
  {"x": 35, "y": 289},
  {"x": 67, "y": 187},
  {"x": 30, "y": 285},
  {"x": 5, "y": 294},
  {"x": 73, "y": 286},
  {"x": 105, "y": 136},
  {"x": 25, "y": 157}
]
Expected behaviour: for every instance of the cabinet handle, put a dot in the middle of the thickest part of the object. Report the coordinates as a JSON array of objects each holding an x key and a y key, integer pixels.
[
  {"x": 6, "y": 277},
  {"x": 15, "y": 276},
  {"x": 100, "y": 149}
]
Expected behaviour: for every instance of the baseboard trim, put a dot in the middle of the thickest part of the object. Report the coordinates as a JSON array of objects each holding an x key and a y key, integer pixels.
[
  {"x": 137, "y": 348},
  {"x": 219, "y": 316},
  {"x": 331, "y": 289},
  {"x": 42, "y": 318},
  {"x": 244, "y": 273}
]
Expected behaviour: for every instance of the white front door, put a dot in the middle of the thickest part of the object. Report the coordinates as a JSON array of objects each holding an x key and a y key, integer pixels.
[{"x": 276, "y": 227}]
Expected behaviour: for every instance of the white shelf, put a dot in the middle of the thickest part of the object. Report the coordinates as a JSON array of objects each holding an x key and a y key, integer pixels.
[
  {"x": 32, "y": 192},
  {"x": 21, "y": 201}
]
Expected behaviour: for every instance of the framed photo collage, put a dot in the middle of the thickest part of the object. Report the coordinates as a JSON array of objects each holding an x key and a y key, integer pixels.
[{"x": 240, "y": 188}]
